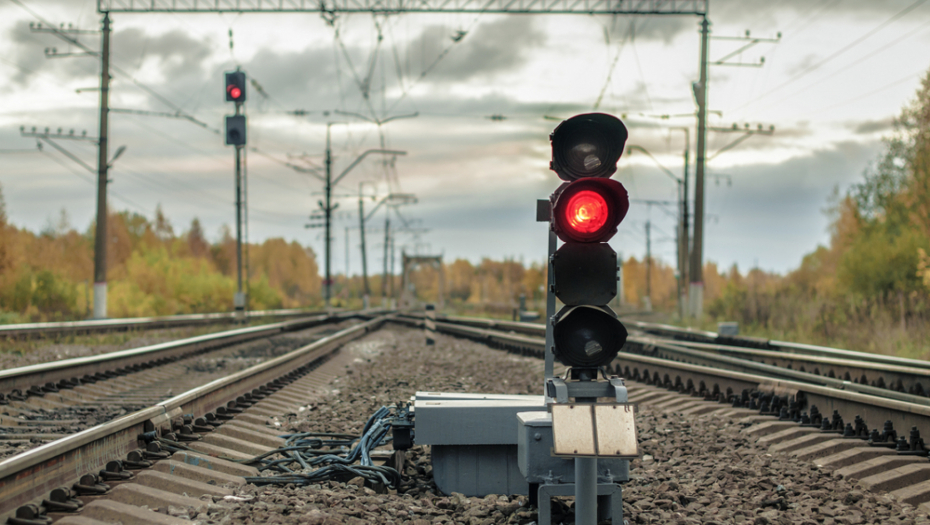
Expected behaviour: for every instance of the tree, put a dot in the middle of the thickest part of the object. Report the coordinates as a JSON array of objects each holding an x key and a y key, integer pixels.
[{"x": 196, "y": 241}]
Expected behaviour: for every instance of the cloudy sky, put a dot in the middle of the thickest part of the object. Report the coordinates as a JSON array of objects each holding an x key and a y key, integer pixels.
[{"x": 830, "y": 86}]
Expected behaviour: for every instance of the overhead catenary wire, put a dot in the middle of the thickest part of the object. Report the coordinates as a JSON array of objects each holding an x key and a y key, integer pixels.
[
  {"x": 639, "y": 66},
  {"x": 906, "y": 78},
  {"x": 858, "y": 40},
  {"x": 858, "y": 62},
  {"x": 613, "y": 66},
  {"x": 117, "y": 69}
]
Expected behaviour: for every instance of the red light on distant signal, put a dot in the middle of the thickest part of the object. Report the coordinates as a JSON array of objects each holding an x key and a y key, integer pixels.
[{"x": 234, "y": 91}]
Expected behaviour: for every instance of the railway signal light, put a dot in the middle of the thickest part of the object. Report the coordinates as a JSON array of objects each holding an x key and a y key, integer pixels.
[
  {"x": 589, "y": 210},
  {"x": 587, "y": 145},
  {"x": 584, "y": 213},
  {"x": 235, "y": 86},
  {"x": 235, "y": 130}
]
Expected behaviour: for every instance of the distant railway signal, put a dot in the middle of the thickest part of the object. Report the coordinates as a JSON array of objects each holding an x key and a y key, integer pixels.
[
  {"x": 235, "y": 86},
  {"x": 235, "y": 130},
  {"x": 584, "y": 213}
]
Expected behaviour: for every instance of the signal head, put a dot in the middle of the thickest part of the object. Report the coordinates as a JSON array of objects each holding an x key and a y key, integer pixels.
[
  {"x": 587, "y": 145},
  {"x": 587, "y": 336},
  {"x": 589, "y": 210},
  {"x": 235, "y": 86}
]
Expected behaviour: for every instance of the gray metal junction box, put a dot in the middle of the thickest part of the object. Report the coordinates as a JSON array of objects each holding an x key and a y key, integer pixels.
[{"x": 495, "y": 444}]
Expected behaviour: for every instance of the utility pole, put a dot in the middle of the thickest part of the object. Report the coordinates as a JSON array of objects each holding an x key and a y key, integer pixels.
[
  {"x": 103, "y": 164},
  {"x": 683, "y": 232},
  {"x": 328, "y": 216},
  {"x": 347, "y": 256},
  {"x": 101, "y": 237},
  {"x": 391, "y": 199},
  {"x": 682, "y": 216},
  {"x": 366, "y": 290},
  {"x": 648, "y": 267},
  {"x": 696, "y": 286},
  {"x": 387, "y": 247},
  {"x": 696, "y": 292},
  {"x": 391, "y": 272},
  {"x": 329, "y": 182}
]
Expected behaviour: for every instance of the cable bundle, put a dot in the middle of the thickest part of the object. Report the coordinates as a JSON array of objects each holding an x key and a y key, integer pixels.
[{"x": 317, "y": 461}]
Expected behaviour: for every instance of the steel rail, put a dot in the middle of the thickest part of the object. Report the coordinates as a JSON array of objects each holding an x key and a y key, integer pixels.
[
  {"x": 662, "y": 349},
  {"x": 665, "y": 350},
  {"x": 710, "y": 381},
  {"x": 843, "y": 371},
  {"x": 913, "y": 380},
  {"x": 30, "y": 476},
  {"x": 26, "y": 330},
  {"x": 700, "y": 336},
  {"x": 49, "y": 376}
]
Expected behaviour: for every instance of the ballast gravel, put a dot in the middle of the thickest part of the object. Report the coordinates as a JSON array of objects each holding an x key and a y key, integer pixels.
[{"x": 695, "y": 470}]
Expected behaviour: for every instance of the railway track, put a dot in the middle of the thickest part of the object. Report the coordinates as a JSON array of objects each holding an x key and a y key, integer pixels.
[
  {"x": 59, "y": 329},
  {"x": 865, "y": 432},
  {"x": 43, "y": 402},
  {"x": 88, "y": 464},
  {"x": 798, "y": 415}
]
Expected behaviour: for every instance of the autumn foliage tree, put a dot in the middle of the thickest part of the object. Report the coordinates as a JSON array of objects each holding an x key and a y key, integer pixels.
[
  {"x": 869, "y": 289},
  {"x": 153, "y": 270}
]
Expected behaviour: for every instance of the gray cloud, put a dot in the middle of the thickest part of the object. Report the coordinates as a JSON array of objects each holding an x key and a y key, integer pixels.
[
  {"x": 871, "y": 126},
  {"x": 661, "y": 28},
  {"x": 492, "y": 48},
  {"x": 29, "y": 56},
  {"x": 763, "y": 14},
  {"x": 306, "y": 78},
  {"x": 178, "y": 54}
]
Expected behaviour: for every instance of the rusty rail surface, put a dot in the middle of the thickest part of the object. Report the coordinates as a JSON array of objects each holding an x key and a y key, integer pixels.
[{"x": 30, "y": 476}]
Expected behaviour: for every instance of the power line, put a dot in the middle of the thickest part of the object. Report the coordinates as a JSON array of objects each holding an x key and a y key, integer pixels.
[
  {"x": 870, "y": 93},
  {"x": 844, "y": 49},
  {"x": 639, "y": 65},
  {"x": 855, "y": 63},
  {"x": 116, "y": 68},
  {"x": 613, "y": 65}
]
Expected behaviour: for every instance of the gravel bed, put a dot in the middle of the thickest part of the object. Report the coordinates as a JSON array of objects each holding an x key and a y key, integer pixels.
[{"x": 694, "y": 471}]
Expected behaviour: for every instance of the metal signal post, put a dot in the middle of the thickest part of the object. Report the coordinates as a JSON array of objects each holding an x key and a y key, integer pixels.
[
  {"x": 236, "y": 136},
  {"x": 586, "y": 334}
]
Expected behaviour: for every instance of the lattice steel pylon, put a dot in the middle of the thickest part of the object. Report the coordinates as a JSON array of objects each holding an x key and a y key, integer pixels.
[{"x": 591, "y": 7}]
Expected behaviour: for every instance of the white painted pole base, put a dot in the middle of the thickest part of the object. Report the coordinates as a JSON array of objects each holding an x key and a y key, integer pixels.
[{"x": 100, "y": 300}]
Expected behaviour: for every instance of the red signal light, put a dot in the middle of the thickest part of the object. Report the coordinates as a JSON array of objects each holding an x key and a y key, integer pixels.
[
  {"x": 589, "y": 209},
  {"x": 234, "y": 91},
  {"x": 586, "y": 211}
]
